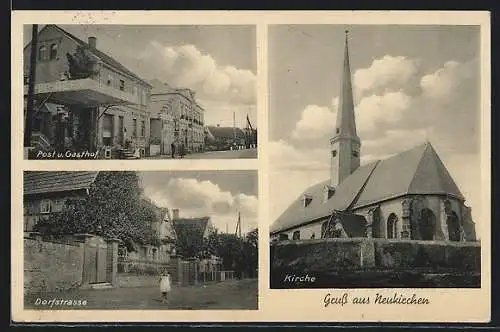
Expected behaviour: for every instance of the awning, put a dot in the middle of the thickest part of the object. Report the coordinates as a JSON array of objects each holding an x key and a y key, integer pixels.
[{"x": 83, "y": 91}]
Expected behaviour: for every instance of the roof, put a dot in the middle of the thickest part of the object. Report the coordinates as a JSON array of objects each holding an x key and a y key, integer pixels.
[
  {"x": 225, "y": 132},
  {"x": 101, "y": 55},
  {"x": 186, "y": 227},
  {"x": 418, "y": 171},
  {"x": 353, "y": 224},
  {"x": 52, "y": 182}
]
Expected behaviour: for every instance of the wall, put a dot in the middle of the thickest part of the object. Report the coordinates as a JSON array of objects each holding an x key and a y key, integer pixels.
[
  {"x": 362, "y": 253},
  {"x": 42, "y": 258}
]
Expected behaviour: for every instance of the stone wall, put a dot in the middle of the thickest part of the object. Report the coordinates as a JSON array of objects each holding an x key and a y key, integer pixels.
[
  {"x": 51, "y": 266},
  {"x": 364, "y": 253}
]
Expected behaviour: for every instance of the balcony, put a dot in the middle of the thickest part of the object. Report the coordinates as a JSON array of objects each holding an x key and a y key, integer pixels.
[{"x": 86, "y": 91}]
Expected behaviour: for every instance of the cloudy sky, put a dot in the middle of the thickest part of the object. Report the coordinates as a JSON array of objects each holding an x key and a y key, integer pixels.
[
  {"x": 412, "y": 83},
  {"x": 218, "y": 194},
  {"x": 219, "y": 62}
]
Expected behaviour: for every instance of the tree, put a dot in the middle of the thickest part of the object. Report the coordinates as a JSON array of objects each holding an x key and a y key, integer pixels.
[
  {"x": 113, "y": 208},
  {"x": 80, "y": 64}
]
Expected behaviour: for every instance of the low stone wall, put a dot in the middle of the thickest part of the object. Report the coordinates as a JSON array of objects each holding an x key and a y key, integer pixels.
[
  {"x": 51, "y": 266},
  {"x": 463, "y": 256},
  {"x": 365, "y": 253}
]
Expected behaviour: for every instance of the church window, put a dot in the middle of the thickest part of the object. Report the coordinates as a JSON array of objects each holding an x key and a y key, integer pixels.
[
  {"x": 53, "y": 51},
  {"x": 334, "y": 153},
  {"x": 296, "y": 235},
  {"x": 328, "y": 192},
  {"x": 313, "y": 236},
  {"x": 392, "y": 226},
  {"x": 453, "y": 227},
  {"x": 427, "y": 224},
  {"x": 337, "y": 130}
]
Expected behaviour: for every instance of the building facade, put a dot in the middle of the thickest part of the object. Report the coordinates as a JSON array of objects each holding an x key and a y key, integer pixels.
[
  {"x": 178, "y": 119},
  {"x": 409, "y": 196},
  {"x": 98, "y": 104}
]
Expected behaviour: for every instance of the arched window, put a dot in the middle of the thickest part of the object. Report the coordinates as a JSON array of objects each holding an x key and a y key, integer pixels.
[
  {"x": 453, "y": 224},
  {"x": 392, "y": 226},
  {"x": 427, "y": 224},
  {"x": 296, "y": 235},
  {"x": 42, "y": 53},
  {"x": 53, "y": 51}
]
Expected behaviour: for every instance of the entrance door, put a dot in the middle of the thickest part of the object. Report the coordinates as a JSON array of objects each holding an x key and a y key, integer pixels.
[
  {"x": 95, "y": 267},
  {"x": 120, "y": 131}
]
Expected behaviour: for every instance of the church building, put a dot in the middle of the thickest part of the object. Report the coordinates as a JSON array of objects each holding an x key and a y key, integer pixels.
[{"x": 409, "y": 196}]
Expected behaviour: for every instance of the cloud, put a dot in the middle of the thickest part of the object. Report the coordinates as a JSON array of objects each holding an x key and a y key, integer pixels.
[
  {"x": 285, "y": 156},
  {"x": 375, "y": 111},
  {"x": 315, "y": 122},
  {"x": 187, "y": 66},
  {"x": 203, "y": 198},
  {"x": 386, "y": 72}
]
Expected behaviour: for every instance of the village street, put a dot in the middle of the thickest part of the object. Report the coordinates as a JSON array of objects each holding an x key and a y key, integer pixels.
[
  {"x": 232, "y": 294},
  {"x": 236, "y": 154}
]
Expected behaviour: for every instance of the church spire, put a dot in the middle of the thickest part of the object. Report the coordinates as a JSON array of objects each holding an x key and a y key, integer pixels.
[
  {"x": 345, "y": 144},
  {"x": 346, "y": 123}
]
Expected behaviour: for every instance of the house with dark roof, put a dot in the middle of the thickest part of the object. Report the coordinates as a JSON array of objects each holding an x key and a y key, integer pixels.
[
  {"x": 224, "y": 138},
  {"x": 47, "y": 192},
  {"x": 410, "y": 195},
  {"x": 103, "y": 106}
]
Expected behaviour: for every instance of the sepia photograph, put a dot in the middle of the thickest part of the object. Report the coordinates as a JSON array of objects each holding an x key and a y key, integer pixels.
[
  {"x": 139, "y": 91},
  {"x": 375, "y": 130},
  {"x": 140, "y": 240}
]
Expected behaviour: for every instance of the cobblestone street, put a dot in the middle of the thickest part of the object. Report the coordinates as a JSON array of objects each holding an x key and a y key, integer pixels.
[{"x": 233, "y": 294}]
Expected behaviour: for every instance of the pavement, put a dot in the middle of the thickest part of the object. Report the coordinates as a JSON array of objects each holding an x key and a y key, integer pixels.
[
  {"x": 235, "y": 154},
  {"x": 231, "y": 294}
]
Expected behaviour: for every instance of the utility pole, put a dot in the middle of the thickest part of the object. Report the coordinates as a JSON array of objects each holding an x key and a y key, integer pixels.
[{"x": 30, "y": 105}]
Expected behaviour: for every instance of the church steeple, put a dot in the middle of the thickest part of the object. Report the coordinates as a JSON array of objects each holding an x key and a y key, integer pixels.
[{"x": 345, "y": 143}]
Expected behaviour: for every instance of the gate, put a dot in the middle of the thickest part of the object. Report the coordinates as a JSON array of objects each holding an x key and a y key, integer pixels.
[{"x": 95, "y": 269}]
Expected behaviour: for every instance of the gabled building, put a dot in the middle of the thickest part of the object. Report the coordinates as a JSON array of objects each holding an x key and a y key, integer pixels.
[
  {"x": 101, "y": 105},
  {"x": 410, "y": 195},
  {"x": 190, "y": 232},
  {"x": 176, "y": 118}
]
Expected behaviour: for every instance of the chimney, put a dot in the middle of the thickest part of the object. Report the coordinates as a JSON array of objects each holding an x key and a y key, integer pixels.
[
  {"x": 93, "y": 42},
  {"x": 175, "y": 214}
]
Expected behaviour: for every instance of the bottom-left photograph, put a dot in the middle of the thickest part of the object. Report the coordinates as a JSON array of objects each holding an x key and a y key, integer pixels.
[{"x": 141, "y": 240}]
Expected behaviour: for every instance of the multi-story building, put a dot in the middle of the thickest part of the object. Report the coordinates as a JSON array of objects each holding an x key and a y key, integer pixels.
[
  {"x": 176, "y": 118},
  {"x": 97, "y": 104}
]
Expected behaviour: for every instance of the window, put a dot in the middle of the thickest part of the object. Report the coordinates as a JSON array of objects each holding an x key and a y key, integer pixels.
[
  {"x": 53, "y": 51},
  {"x": 296, "y": 235},
  {"x": 143, "y": 128},
  {"x": 58, "y": 205},
  {"x": 109, "y": 82},
  {"x": 355, "y": 154},
  {"x": 143, "y": 97},
  {"x": 122, "y": 85},
  {"x": 134, "y": 128},
  {"x": 42, "y": 53},
  {"x": 283, "y": 237},
  {"x": 307, "y": 200},
  {"x": 391, "y": 226},
  {"x": 334, "y": 153},
  {"x": 45, "y": 206},
  {"x": 337, "y": 130}
]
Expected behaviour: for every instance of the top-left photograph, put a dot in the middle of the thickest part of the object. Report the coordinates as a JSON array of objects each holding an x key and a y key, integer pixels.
[{"x": 140, "y": 92}]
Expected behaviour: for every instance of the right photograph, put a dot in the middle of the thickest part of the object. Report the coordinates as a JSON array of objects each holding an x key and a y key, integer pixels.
[{"x": 375, "y": 150}]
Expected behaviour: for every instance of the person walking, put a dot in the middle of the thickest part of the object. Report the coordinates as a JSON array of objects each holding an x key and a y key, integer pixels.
[{"x": 172, "y": 150}]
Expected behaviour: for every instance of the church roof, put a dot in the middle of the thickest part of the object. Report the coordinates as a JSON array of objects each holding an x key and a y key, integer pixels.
[{"x": 415, "y": 171}]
